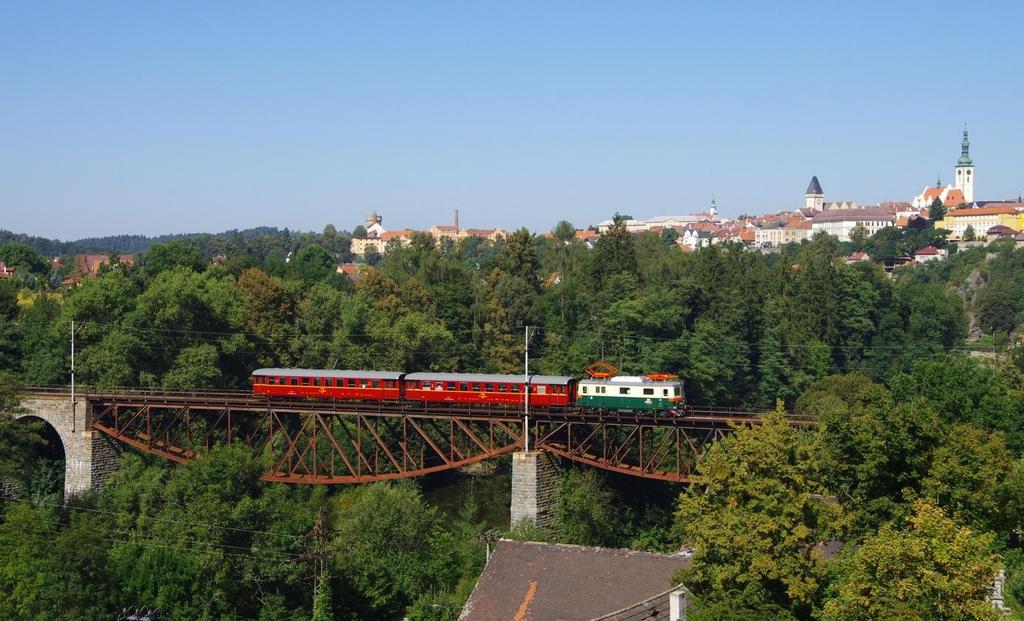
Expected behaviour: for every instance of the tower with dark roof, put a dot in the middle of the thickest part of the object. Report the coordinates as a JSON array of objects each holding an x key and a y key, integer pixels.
[
  {"x": 965, "y": 170},
  {"x": 814, "y": 197}
]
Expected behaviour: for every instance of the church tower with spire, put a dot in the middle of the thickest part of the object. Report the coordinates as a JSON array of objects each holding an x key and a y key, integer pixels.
[
  {"x": 964, "y": 172},
  {"x": 814, "y": 197}
]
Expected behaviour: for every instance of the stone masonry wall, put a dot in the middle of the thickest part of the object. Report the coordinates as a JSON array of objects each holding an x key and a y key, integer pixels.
[
  {"x": 534, "y": 487},
  {"x": 89, "y": 456}
]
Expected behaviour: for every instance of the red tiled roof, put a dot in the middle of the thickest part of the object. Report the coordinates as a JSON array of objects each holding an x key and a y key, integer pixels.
[
  {"x": 927, "y": 250},
  {"x": 988, "y": 210},
  {"x": 395, "y": 234},
  {"x": 954, "y": 197}
]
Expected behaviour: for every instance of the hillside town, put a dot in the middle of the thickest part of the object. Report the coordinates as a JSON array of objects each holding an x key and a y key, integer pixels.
[
  {"x": 969, "y": 221},
  {"x": 953, "y": 209}
]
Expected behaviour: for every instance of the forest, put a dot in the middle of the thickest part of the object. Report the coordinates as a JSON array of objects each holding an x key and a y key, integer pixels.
[{"x": 914, "y": 469}]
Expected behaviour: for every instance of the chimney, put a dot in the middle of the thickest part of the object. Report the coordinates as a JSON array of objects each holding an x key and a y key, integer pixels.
[
  {"x": 457, "y": 221},
  {"x": 677, "y": 605}
]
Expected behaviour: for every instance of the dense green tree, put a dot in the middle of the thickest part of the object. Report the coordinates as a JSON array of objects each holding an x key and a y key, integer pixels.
[
  {"x": 23, "y": 259},
  {"x": 394, "y": 548},
  {"x": 564, "y": 231},
  {"x": 313, "y": 264},
  {"x": 963, "y": 390},
  {"x": 19, "y": 439},
  {"x": 874, "y": 450},
  {"x": 757, "y": 518},
  {"x": 936, "y": 211},
  {"x": 172, "y": 255},
  {"x": 933, "y": 569},
  {"x": 972, "y": 477},
  {"x": 585, "y": 512},
  {"x": 969, "y": 233}
]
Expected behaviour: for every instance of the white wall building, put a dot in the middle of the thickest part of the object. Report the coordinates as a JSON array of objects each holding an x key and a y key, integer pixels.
[{"x": 841, "y": 222}]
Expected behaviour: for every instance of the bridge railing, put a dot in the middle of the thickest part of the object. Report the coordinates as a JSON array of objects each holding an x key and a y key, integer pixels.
[{"x": 86, "y": 391}]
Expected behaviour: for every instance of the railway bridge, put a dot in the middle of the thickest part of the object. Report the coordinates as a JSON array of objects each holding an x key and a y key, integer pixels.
[{"x": 339, "y": 442}]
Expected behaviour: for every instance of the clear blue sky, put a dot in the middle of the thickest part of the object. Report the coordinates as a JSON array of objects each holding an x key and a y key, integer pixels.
[{"x": 146, "y": 117}]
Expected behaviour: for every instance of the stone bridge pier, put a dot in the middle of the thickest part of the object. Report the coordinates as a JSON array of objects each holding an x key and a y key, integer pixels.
[
  {"x": 534, "y": 487},
  {"x": 89, "y": 456}
]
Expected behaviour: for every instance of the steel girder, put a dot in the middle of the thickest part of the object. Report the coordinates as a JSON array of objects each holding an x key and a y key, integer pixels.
[{"x": 332, "y": 443}]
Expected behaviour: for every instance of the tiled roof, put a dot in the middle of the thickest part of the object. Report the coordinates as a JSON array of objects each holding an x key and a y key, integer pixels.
[
  {"x": 852, "y": 215},
  {"x": 526, "y": 580},
  {"x": 927, "y": 250},
  {"x": 990, "y": 210},
  {"x": 955, "y": 197},
  {"x": 1000, "y": 229},
  {"x": 394, "y": 234}
]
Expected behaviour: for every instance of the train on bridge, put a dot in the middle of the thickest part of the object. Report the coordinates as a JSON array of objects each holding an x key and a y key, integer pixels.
[{"x": 650, "y": 393}]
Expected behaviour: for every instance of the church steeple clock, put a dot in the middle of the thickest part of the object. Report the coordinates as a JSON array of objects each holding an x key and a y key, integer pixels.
[{"x": 964, "y": 172}]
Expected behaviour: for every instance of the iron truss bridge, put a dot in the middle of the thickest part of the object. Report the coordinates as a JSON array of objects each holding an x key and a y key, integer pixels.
[{"x": 335, "y": 442}]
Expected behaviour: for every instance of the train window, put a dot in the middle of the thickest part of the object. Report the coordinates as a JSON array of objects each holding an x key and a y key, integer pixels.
[
  {"x": 438, "y": 386},
  {"x": 294, "y": 381},
  {"x": 476, "y": 387},
  {"x": 376, "y": 383},
  {"x": 451, "y": 385},
  {"x": 623, "y": 390},
  {"x": 676, "y": 391},
  {"x": 351, "y": 383},
  {"x": 305, "y": 381},
  {"x": 463, "y": 386},
  {"x": 316, "y": 381},
  {"x": 489, "y": 388},
  {"x": 664, "y": 392},
  {"x": 649, "y": 391},
  {"x": 363, "y": 384},
  {"x": 515, "y": 387},
  {"x": 584, "y": 390},
  {"x": 501, "y": 388}
]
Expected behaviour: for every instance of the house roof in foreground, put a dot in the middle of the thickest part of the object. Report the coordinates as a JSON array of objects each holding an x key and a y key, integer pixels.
[{"x": 528, "y": 580}]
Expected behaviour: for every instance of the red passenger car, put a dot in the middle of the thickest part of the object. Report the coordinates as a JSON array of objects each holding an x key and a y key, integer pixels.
[
  {"x": 470, "y": 388},
  {"x": 321, "y": 384}
]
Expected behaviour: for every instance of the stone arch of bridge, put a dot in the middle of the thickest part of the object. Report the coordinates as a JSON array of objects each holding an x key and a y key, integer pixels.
[{"x": 89, "y": 456}]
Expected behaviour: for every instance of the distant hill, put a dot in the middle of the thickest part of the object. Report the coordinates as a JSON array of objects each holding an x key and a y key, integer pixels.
[{"x": 132, "y": 244}]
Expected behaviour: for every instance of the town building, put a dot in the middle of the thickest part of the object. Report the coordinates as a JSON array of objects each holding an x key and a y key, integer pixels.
[
  {"x": 6, "y": 272},
  {"x": 980, "y": 219},
  {"x": 857, "y": 257},
  {"x": 842, "y": 222},
  {"x": 965, "y": 170},
  {"x": 775, "y": 233},
  {"x": 374, "y": 225},
  {"x": 961, "y": 192},
  {"x": 929, "y": 253},
  {"x": 814, "y": 197},
  {"x": 664, "y": 222},
  {"x": 360, "y": 247}
]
